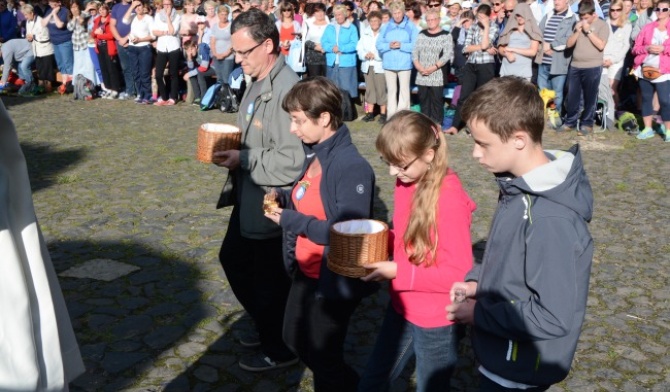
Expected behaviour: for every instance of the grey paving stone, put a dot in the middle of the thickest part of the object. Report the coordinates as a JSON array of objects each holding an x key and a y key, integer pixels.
[
  {"x": 163, "y": 336},
  {"x": 190, "y": 349},
  {"x": 207, "y": 374},
  {"x": 133, "y": 326},
  {"x": 115, "y": 362}
]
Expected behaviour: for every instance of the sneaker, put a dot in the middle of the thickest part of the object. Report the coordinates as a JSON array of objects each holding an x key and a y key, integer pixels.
[
  {"x": 141, "y": 101},
  {"x": 111, "y": 95},
  {"x": 260, "y": 362},
  {"x": 196, "y": 102},
  {"x": 382, "y": 119},
  {"x": 138, "y": 99},
  {"x": 585, "y": 131},
  {"x": 646, "y": 133},
  {"x": 160, "y": 102},
  {"x": 565, "y": 128},
  {"x": 368, "y": 117},
  {"x": 170, "y": 102},
  {"x": 665, "y": 133},
  {"x": 124, "y": 96},
  {"x": 249, "y": 338}
]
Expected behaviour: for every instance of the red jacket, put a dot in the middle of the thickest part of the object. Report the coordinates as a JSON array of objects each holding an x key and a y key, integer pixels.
[
  {"x": 421, "y": 293},
  {"x": 106, "y": 36}
]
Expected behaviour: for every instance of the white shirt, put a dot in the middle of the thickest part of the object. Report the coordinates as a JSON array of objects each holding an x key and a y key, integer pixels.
[{"x": 167, "y": 43}]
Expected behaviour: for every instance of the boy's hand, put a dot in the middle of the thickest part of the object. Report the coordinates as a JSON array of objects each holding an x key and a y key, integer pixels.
[{"x": 462, "y": 312}]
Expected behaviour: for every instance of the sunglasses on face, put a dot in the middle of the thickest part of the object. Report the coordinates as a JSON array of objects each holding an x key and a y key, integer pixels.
[
  {"x": 497, "y": 4},
  {"x": 507, "y": 12},
  {"x": 433, "y": 5},
  {"x": 658, "y": 9},
  {"x": 616, "y": 9}
]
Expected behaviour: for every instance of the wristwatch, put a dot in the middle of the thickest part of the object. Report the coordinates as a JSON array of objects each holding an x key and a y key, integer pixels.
[{"x": 589, "y": 32}]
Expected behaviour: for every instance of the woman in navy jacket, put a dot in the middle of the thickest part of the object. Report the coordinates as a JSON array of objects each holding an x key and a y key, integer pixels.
[{"x": 336, "y": 184}]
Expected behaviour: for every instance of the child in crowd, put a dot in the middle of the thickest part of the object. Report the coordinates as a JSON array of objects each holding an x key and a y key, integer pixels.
[
  {"x": 527, "y": 299},
  {"x": 197, "y": 79},
  {"x": 431, "y": 251}
]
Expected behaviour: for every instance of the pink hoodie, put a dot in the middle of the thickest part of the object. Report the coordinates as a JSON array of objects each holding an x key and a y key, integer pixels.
[
  {"x": 644, "y": 39},
  {"x": 421, "y": 293}
]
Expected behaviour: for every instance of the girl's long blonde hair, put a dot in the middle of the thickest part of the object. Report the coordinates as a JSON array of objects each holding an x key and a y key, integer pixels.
[{"x": 405, "y": 136}]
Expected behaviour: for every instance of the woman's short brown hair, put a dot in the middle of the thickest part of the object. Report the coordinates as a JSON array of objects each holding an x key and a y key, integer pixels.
[{"x": 315, "y": 96}]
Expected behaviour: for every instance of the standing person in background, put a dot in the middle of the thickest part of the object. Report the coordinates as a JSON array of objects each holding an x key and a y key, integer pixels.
[
  {"x": 651, "y": 50},
  {"x": 616, "y": 49},
  {"x": 480, "y": 65},
  {"x": 8, "y": 23},
  {"x": 92, "y": 10},
  {"x": 77, "y": 25},
  {"x": 140, "y": 55},
  {"x": 107, "y": 54},
  {"x": 313, "y": 28},
  {"x": 270, "y": 157},
  {"x": 56, "y": 19},
  {"x": 395, "y": 44},
  {"x": 168, "y": 52},
  {"x": 432, "y": 250},
  {"x": 433, "y": 50},
  {"x": 373, "y": 71},
  {"x": 588, "y": 40},
  {"x": 519, "y": 43},
  {"x": 188, "y": 29},
  {"x": 38, "y": 36},
  {"x": 336, "y": 184},
  {"x": 554, "y": 56},
  {"x": 339, "y": 42},
  {"x": 121, "y": 32},
  {"x": 288, "y": 27},
  {"x": 223, "y": 59}
]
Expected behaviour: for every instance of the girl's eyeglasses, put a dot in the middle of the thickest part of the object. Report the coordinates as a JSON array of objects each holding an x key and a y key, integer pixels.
[{"x": 403, "y": 168}]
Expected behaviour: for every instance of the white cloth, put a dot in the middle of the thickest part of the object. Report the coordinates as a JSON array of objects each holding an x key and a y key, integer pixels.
[
  {"x": 41, "y": 43},
  {"x": 167, "y": 43},
  {"x": 38, "y": 349}
]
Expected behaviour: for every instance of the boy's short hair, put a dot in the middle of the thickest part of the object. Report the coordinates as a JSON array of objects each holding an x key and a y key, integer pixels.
[
  {"x": 523, "y": 109},
  {"x": 586, "y": 7},
  {"x": 484, "y": 9},
  {"x": 190, "y": 44},
  {"x": 375, "y": 14}
]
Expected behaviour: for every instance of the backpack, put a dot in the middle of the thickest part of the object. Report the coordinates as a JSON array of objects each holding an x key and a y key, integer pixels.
[
  {"x": 211, "y": 97},
  {"x": 82, "y": 88},
  {"x": 628, "y": 123},
  {"x": 229, "y": 102}
]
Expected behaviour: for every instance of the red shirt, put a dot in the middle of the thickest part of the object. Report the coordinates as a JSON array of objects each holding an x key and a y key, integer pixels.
[
  {"x": 421, "y": 293},
  {"x": 307, "y": 200}
]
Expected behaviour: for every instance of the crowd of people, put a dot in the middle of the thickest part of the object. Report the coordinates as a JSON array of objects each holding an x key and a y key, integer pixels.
[{"x": 615, "y": 51}]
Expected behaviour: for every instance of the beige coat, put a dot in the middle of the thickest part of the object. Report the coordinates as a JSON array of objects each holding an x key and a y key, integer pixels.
[{"x": 41, "y": 43}]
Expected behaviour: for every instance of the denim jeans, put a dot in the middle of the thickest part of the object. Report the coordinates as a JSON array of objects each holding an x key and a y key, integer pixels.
[
  {"x": 127, "y": 69},
  {"x": 551, "y": 82},
  {"x": 398, "y": 341},
  {"x": 223, "y": 68},
  {"x": 582, "y": 85},
  {"x": 139, "y": 60},
  {"x": 25, "y": 69},
  {"x": 64, "y": 57}
]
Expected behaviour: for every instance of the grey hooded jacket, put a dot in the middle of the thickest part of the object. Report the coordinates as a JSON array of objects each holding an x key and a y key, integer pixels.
[{"x": 534, "y": 277}]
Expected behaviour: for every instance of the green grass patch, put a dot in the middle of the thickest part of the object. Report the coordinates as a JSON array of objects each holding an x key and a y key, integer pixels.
[
  {"x": 67, "y": 179},
  {"x": 180, "y": 159}
]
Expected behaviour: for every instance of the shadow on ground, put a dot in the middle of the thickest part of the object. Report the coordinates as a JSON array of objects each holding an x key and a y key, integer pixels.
[{"x": 45, "y": 164}]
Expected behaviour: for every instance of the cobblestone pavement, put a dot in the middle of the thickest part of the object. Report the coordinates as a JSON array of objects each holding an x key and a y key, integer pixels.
[{"x": 117, "y": 181}]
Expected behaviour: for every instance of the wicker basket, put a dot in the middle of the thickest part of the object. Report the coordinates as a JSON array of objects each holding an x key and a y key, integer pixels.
[
  {"x": 356, "y": 243},
  {"x": 216, "y": 137}
]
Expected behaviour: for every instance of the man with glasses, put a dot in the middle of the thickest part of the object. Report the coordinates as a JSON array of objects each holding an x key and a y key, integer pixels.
[
  {"x": 588, "y": 39},
  {"x": 251, "y": 253}
]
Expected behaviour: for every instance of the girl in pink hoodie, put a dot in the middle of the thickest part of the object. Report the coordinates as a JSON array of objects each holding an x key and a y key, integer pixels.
[{"x": 431, "y": 250}]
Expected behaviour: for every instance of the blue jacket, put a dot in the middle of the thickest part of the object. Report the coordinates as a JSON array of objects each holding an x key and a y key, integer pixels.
[
  {"x": 533, "y": 281},
  {"x": 8, "y": 26},
  {"x": 406, "y": 33},
  {"x": 346, "y": 43},
  {"x": 347, "y": 192}
]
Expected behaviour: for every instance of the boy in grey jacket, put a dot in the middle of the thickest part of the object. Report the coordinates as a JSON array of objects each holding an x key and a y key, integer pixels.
[{"x": 527, "y": 299}]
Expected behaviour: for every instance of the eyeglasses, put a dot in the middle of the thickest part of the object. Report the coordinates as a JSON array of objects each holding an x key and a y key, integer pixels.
[
  {"x": 507, "y": 12},
  {"x": 245, "y": 53},
  {"x": 403, "y": 168},
  {"x": 657, "y": 9},
  {"x": 616, "y": 9},
  {"x": 497, "y": 4},
  {"x": 433, "y": 5}
]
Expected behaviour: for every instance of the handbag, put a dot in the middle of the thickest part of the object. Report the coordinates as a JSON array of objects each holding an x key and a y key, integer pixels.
[
  {"x": 650, "y": 73},
  {"x": 295, "y": 58}
]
